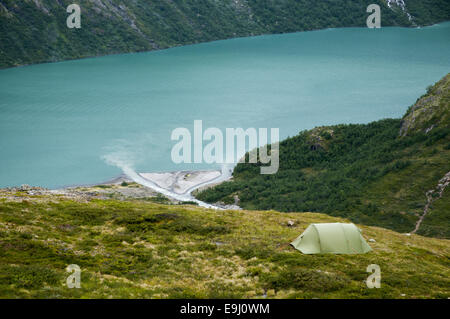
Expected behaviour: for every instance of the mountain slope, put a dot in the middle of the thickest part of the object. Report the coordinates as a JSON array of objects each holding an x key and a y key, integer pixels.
[
  {"x": 376, "y": 174},
  {"x": 140, "y": 249},
  {"x": 33, "y": 31}
]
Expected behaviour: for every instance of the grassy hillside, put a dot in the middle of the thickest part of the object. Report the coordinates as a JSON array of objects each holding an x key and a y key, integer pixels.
[
  {"x": 33, "y": 31},
  {"x": 375, "y": 174},
  {"x": 142, "y": 249}
]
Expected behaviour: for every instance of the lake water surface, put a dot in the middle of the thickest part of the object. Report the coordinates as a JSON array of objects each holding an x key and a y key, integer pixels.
[{"x": 60, "y": 121}]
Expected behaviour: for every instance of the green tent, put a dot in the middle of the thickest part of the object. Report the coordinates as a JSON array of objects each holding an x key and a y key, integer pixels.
[{"x": 332, "y": 238}]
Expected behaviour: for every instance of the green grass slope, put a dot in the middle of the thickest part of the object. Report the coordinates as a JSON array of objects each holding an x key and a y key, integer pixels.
[
  {"x": 34, "y": 31},
  {"x": 375, "y": 174},
  {"x": 140, "y": 249}
]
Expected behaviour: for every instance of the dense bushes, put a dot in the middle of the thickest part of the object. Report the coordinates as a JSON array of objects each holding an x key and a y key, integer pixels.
[
  {"x": 29, "y": 34},
  {"x": 344, "y": 175},
  {"x": 29, "y": 277},
  {"x": 170, "y": 222},
  {"x": 299, "y": 278}
]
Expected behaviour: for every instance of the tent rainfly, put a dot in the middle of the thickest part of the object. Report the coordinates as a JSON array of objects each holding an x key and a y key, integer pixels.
[{"x": 331, "y": 238}]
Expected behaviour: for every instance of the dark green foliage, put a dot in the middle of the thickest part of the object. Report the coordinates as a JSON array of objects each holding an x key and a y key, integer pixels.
[
  {"x": 141, "y": 249},
  {"x": 189, "y": 202},
  {"x": 374, "y": 174},
  {"x": 345, "y": 177},
  {"x": 300, "y": 278},
  {"x": 32, "y": 34},
  {"x": 436, "y": 222},
  {"x": 424, "y": 10},
  {"x": 249, "y": 252},
  {"x": 170, "y": 222},
  {"x": 29, "y": 277}
]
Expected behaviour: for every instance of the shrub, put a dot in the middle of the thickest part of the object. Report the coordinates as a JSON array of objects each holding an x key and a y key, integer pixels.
[
  {"x": 304, "y": 279},
  {"x": 171, "y": 222},
  {"x": 36, "y": 276}
]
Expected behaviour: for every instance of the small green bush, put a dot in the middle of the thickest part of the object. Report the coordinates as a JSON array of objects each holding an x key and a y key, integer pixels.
[
  {"x": 35, "y": 276},
  {"x": 304, "y": 279}
]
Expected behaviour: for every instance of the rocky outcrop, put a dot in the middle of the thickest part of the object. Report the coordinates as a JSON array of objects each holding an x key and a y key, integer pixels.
[
  {"x": 320, "y": 137},
  {"x": 430, "y": 111}
]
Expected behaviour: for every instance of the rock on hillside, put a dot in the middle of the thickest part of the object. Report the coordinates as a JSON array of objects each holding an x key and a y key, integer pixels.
[{"x": 432, "y": 110}]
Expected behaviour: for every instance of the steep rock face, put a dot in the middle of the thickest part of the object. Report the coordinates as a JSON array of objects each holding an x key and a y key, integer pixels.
[
  {"x": 34, "y": 31},
  {"x": 430, "y": 111}
]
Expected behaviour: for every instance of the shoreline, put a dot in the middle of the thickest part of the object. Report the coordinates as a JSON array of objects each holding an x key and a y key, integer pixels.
[
  {"x": 166, "y": 183},
  {"x": 182, "y": 182},
  {"x": 210, "y": 41},
  {"x": 175, "y": 185}
]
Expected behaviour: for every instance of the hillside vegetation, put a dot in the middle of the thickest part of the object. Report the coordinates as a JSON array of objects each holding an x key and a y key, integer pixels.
[
  {"x": 383, "y": 173},
  {"x": 142, "y": 249},
  {"x": 33, "y": 31}
]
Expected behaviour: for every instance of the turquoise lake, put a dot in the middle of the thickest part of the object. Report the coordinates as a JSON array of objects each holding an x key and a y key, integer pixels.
[{"x": 59, "y": 121}]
